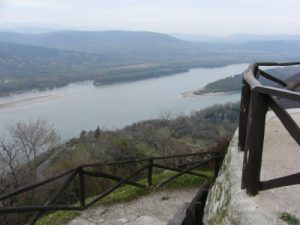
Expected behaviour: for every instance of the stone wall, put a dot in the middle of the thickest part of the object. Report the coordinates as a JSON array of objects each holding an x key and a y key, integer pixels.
[{"x": 227, "y": 203}]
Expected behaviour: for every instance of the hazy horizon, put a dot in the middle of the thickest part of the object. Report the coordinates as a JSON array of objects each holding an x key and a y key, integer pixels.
[
  {"x": 57, "y": 27},
  {"x": 169, "y": 16}
]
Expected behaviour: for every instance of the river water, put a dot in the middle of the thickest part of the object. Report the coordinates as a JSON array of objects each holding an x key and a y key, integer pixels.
[{"x": 81, "y": 106}]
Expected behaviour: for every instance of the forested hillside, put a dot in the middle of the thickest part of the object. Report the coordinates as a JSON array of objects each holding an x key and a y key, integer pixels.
[
  {"x": 48, "y": 60},
  {"x": 234, "y": 83},
  {"x": 172, "y": 134},
  {"x": 205, "y": 130}
]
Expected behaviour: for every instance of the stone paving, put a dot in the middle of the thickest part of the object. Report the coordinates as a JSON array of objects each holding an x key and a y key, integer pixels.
[{"x": 155, "y": 209}]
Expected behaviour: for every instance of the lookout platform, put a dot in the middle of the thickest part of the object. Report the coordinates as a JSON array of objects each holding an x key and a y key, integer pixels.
[{"x": 228, "y": 204}]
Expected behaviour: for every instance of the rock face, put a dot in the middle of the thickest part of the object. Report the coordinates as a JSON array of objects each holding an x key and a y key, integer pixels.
[{"x": 227, "y": 204}]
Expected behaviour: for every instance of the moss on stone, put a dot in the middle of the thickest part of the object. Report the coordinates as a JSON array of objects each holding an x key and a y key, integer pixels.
[{"x": 220, "y": 196}]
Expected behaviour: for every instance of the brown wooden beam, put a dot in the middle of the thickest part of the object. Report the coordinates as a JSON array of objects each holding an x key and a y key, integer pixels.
[
  {"x": 184, "y": 172},
  {"x": 280, "y": 182},
  {"x": 244, "y": 112},
  {"x": 23, "y": 209},
  {"x": 254, "y": 142},
  {"x": 286, "y": 120},
  {"x": 117, "y": 185},
  {"x": 112, "y": 177},
  {"x": 279, "y": 92},
  {"x": 179, "y": 170},
  {"x": 63, "y": 187},
  {"x": 272, "y": 78},
  {"x": 35, "y": 185}
]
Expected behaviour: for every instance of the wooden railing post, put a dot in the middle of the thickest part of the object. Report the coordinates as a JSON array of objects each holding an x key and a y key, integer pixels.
[
  {"x": 218, "y": 162},
  {"x": 150, "y": 170},
  {"x": 244, "y": 112},
  {"x": 254, "y": 143},
  {"x": 81, "y": 188},
  {"x": 63, "y": 187}
]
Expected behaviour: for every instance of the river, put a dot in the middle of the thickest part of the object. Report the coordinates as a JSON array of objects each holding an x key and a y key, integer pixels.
[{"x": 82, "y": 105}]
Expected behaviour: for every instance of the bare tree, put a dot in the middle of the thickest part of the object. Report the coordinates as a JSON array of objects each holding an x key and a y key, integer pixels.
[
  {"x": 27, "y": 140},
  {"x": 9, "y": 165},
  {"x": 19, "y": 156}
]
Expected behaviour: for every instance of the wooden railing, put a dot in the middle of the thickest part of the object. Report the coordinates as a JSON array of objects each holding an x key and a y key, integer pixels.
[
  {"x": 81, "y": 172},
  {"x": 256, "y": 100}
]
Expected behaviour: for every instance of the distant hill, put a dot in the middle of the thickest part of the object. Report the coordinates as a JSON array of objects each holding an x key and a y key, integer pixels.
[
  {"x": 235, "y": 38},
  {"x": 125, "y": 45},
  {"x": 26, "y": 67},
  {"x": 141, "y": 46},
  {"x": 271, "y": 45},
  {"x": 89, "y": 40},
  {"x": 123, "y": 48},
  {"x": 27, "y": 60},
  {"x": 54, "y": 59}
]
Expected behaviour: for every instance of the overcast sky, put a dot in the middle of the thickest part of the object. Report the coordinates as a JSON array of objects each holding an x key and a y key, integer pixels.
[{"x": 214, "y": 17}]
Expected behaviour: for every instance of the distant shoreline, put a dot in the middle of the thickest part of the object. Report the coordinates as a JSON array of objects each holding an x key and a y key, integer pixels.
[
  {"x": 117, "y": 80},
  {"x": 31, "y": 100},
  {"x": 190, "y": 94}
]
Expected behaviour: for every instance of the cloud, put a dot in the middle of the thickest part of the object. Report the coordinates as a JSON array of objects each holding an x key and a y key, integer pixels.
[{"x": 193, "y": 16}]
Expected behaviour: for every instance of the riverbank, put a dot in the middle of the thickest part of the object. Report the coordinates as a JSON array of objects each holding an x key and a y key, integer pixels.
[
  {"x": 189, "y": 94},
  {"x": 32, "y": 100},
  {"x": 115, "y": 106}
]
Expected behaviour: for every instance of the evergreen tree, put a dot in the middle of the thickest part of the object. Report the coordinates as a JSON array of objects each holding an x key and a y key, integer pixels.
[{"x": 97, "y": 132}]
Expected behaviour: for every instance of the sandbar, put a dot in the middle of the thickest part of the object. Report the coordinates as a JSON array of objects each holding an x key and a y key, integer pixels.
[
  {"x": 188, "y": 94},
  {"x": 31, "y": 100}
]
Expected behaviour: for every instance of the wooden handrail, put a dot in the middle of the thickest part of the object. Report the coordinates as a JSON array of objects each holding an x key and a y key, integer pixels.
[
  {"x": 272, "y": 78},
  {"x": 278, "y": 92},
  {"x": 256, "y": 99},
  {"x": 80, "y": 171},
  {"x": 36, "y": 184}
]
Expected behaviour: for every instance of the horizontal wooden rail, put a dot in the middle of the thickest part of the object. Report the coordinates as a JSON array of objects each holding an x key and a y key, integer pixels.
[
  {"x": 22, "y": 209},
  {"x": 112, "y": 177},
  {"x": 277, "y": 63},
  {"x": 272, "y": 78},
  {"x": 282, "y": 93},
  {"x": 280, "y": 182},
  {"x": 51, "y": 179},
  {"x": 35, "y": 185}
]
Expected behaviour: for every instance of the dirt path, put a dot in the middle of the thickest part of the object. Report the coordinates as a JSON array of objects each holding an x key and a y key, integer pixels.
[{"x": 155, "y": 209}]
